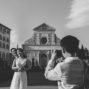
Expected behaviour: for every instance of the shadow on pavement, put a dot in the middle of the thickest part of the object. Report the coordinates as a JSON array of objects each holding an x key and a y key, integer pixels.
[{"x": 35, "y": 78}]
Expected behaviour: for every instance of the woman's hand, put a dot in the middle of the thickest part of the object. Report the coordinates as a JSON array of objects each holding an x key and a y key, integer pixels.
[
  {"x": 20, "y": 65},
  {"x": 53, "y": 55},
  {"x": 21, "y": 69}
]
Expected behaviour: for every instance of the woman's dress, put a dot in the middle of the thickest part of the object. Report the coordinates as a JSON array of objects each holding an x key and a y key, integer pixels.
[{"x": 19, "y": 80}]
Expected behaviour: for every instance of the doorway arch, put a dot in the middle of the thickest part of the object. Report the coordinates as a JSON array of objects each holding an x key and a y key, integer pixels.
[{"x": 43, "y": 60}]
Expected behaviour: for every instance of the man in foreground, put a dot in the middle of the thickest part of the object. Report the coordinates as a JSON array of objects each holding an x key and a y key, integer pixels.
[{"x": 68, "y": 73}]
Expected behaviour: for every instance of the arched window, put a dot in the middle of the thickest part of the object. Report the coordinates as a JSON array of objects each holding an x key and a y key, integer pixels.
[
  {"x": 3, "y": 45},
  {"x": 3, "y": 38},
  {"x": 4, "y": 30},
  {"x": 7, "y": 39},
  {"x": 7, "y": 46},
  {"x": 8, "y": 32},
  {"x": 7, "y": 55},
  {"x": 0, "y": 54},
  {"x": 0, "y": 44},
  {"x": 0, "y": 37},
  {"x": 0, "y": 28},
  {"x": 3, "y": 55}
]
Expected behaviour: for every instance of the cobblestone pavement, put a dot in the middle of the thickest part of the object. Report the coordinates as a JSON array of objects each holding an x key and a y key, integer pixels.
[{"x": 36, "y": 87}]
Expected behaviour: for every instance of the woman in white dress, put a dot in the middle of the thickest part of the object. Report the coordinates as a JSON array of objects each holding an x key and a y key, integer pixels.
[{"x": 20, "y": 66}]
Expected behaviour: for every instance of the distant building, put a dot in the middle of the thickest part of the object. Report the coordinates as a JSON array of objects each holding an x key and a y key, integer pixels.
[
  {"x": 39, "y": 47},
  {"x": 4, "y": 42}
]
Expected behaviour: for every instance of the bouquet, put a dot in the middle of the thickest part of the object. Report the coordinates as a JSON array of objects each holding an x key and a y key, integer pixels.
[{"x": 22, "y": 66}]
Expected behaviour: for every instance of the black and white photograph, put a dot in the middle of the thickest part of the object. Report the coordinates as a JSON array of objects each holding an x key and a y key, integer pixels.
[{"x": 44, "y": 44}]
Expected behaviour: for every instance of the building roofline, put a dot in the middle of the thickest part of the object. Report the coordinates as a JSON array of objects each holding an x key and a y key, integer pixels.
[
  {"x": 5, "y": 26},
  {"x": 46, "y": 26}
]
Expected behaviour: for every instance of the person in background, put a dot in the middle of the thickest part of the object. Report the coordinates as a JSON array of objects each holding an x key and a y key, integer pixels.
[
  {"x": 69, "y": 72},
  {"x": 20, "y": 66}
]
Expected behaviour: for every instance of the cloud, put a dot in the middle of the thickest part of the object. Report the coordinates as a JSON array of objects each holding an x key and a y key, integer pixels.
[
  {"x": 79, "y": 14},
  {"x": 14, "y": 38}
]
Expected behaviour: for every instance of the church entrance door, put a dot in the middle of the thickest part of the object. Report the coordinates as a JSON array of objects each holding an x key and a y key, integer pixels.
[{"x": 43, "y": 60}]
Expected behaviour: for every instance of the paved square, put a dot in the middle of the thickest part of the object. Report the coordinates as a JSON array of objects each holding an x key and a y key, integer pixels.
[{"x": 35, "y": 87}]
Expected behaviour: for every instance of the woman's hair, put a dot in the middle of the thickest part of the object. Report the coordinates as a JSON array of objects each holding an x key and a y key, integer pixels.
[
  {"x": 21, "y": 50},
  {"x": 70, "y": 44}
]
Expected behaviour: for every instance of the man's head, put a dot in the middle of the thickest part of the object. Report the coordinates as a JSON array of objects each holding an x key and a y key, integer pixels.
[
  {"x": 14, "y": 51},
  {"x": 69, "y": 44}
]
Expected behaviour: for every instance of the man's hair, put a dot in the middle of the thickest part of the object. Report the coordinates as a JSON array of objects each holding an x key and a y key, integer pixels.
[
  {"x": 70, "y": 43},
  {"x": 13, "y": 49}
]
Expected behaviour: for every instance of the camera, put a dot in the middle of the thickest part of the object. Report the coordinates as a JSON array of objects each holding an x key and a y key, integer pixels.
[{"x": 58, "y": 53}]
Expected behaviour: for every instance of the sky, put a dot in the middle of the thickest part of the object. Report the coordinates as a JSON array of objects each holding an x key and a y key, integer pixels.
[{"x": 66, "y": 16}]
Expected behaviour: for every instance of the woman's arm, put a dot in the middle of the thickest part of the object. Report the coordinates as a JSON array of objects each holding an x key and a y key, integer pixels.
[
  {"x": 53, "y": 72},
  {"x": 14, "y": 66}
]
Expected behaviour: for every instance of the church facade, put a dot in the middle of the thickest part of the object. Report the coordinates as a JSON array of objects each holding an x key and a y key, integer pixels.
[{"x": 38, "y": 48}]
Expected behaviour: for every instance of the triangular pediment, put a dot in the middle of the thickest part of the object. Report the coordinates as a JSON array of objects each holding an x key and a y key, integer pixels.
[{"x": 44, "y": 27}]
